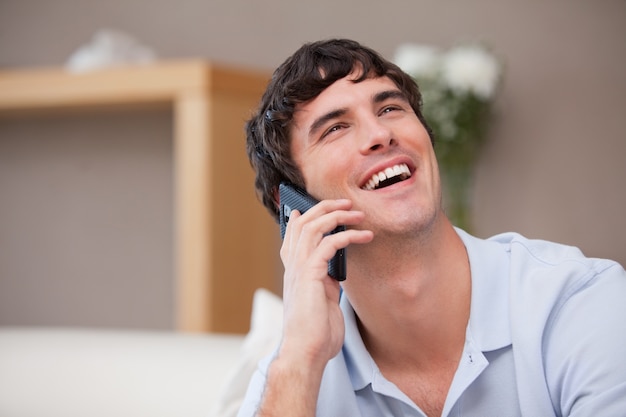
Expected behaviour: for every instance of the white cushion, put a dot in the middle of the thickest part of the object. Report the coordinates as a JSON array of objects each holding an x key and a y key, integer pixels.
[
  {"x": 264, "y": 336},
  {"x": 65, "y": 372},
  {"x": 56, "y": 372}
]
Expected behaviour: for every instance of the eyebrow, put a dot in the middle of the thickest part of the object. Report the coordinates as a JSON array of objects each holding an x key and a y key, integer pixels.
[
  {"x": 334, "y": 114},
  {"x": 322, "y": 120},
  {"x": 390, "y": 94}
]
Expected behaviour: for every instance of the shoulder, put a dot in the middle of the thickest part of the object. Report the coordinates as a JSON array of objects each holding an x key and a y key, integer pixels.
[
  {"x": 538, "y": 272},
  {"x": 567, "y": 315},
  {"x": 543, "y": 251},
  {"x": 546, "y": 276},
  {"x": 544, "y": 261}
]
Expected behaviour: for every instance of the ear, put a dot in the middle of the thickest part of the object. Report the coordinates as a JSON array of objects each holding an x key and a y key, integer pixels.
[{"x": 276, "y": 195}]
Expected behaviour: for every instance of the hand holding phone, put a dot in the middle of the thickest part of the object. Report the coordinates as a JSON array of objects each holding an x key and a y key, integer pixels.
[{"x": 294, "y": 198}]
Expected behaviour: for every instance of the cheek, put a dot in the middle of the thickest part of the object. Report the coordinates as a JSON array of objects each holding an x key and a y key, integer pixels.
[
  {"x": 318, "y": 173},
  {"x": 325, "y": 175}
]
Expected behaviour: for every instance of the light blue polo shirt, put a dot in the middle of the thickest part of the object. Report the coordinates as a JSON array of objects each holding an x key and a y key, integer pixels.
[{"x": 546, "y": 337}]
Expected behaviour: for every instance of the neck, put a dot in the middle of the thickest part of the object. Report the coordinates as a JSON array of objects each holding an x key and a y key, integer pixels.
[{"x": 412, "y": 293}]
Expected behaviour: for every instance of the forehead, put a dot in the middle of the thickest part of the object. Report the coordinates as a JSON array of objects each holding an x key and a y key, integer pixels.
[{"x": 342, "y": 94}]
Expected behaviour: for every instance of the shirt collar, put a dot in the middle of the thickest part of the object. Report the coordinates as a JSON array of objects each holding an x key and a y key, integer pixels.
[
  {"x": 489, "y": 313},
  {"x": 360, "y": 365},
  {"x": 489, "y": 322}
]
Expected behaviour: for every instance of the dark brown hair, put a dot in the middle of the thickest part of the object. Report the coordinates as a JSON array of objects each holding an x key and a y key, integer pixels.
[{"x": 301, "y": 78}]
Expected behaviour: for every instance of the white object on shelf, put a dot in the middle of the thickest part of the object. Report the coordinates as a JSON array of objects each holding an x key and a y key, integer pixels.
[{"x": 109, "y": 48}]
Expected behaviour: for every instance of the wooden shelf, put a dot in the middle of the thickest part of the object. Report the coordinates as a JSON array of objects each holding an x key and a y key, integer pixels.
[{"x": 225, "y": 243}]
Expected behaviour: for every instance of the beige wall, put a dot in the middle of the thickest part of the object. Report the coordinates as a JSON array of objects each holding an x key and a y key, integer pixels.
[{"x": 85, "y": 203}]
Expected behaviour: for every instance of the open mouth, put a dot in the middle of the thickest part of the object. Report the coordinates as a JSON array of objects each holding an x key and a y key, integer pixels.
[{"x": 388, "y": 177}]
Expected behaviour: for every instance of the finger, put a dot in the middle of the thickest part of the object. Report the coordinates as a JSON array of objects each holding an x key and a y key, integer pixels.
[
  {"x": 331, "y": 243},
  {"x": 318, "y": 221}
]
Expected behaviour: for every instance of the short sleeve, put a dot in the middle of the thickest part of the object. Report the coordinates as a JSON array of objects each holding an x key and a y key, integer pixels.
[{"x": 584, "y": 348}]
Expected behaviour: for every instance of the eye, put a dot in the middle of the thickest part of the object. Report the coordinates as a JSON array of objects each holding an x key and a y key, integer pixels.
[
  {"x": 389, "y": 109},
  {"x": 332, "y": 129}
]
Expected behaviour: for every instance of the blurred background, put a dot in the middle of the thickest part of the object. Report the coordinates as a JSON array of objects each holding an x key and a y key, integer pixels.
[{"x": 86, "y": 234}]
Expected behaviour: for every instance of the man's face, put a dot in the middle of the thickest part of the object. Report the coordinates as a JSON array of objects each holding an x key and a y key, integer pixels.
[{"x": 351, "y": 137}]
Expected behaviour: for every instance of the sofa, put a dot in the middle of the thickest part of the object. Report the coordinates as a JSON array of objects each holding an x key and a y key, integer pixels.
[{"x": 79, "y": 372}]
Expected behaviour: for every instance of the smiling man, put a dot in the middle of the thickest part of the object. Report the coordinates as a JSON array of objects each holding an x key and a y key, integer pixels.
[{"x": 431, "y": 321}]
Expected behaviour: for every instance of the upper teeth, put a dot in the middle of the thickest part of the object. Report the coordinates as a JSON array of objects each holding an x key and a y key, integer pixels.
[{"x": 400, "y": 169}]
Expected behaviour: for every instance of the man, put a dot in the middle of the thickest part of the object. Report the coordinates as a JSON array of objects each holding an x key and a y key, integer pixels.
[{"x": 431, "y": 320}]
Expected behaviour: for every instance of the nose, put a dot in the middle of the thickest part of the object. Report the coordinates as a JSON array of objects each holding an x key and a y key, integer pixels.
[{"x": 376, "y": 136}]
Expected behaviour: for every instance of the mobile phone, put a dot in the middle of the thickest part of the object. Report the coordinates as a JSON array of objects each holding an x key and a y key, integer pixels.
[{"x": 295, "y": 198}]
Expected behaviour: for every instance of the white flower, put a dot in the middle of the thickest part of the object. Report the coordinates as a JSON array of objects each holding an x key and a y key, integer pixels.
[
  {"x": 109, "y": 48},
  {"x": 471, "y": 69},
  {"x": 417, "y": 60}
]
